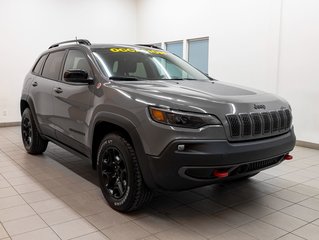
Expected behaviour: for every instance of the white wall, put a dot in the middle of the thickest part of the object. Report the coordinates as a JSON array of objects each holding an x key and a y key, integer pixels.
[
  {"x": 271, "y": 45},
  {"x": 299, "y": 65},
  {"x": 243, "y": 34},
  {"x": 267, "y": 44},
  {"x": 27, "y": 28}
]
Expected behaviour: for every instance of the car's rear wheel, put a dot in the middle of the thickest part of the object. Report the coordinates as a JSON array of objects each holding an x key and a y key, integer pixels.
[
  {"x": 119, "y": 173},
  {"x": 32, "y": 141}
]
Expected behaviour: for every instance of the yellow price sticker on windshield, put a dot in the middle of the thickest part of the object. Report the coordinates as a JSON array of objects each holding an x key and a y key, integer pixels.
[{"x": 134, "y": 50}]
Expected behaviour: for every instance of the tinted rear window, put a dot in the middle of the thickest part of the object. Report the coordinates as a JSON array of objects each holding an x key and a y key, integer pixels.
[
  {"x": 52, "y": 65},
  {"x": 37, "y": 68}
]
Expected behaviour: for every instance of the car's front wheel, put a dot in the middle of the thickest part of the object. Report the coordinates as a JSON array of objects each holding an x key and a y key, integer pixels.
[
  {"x": 119, "y": 173},
  {"x": 32, "y": 141}
]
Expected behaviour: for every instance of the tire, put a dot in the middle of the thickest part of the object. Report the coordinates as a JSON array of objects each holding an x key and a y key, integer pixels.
[
  {"x": 119, "y": 173},
  {"x": 32, "y": 141}
]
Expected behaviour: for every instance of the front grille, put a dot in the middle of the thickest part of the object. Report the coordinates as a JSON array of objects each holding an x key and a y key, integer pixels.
[
  {"x": 275, "y": 121},
  {"x": 246, "y": 123},
  {"x": 283, "y": 119},
  {"x": 289, "y": 117},
  {"x": 259, "y": 124},
  {"x": 234, "y": 125},
  {"x": 267, "y": 122}
]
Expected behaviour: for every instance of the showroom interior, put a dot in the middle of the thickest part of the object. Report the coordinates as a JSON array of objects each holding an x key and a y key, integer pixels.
[{"x": 269, "y": 45}]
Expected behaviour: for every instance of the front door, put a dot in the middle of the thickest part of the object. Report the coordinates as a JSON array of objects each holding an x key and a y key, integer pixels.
[{"x": 72, "y": 104}]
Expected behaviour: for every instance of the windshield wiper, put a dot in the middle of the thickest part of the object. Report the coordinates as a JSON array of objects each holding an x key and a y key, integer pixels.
[
  {"x": 181, "y": 78},
  {"x": 212, "y": 79},
  {"x": 123, "y": 78}
]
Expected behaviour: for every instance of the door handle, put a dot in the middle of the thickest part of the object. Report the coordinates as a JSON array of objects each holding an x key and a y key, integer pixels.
[
  {"x": 58, "y": 90},
  {"x": 34, "y": 84}
]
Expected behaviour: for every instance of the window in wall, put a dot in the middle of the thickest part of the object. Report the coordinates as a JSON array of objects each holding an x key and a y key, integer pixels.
[
  {"x": 198, "y": 54},
  {"x": 175, "y": 47}
]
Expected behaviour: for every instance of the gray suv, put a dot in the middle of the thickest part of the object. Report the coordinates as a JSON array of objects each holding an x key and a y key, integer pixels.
[{"x": 148, "y": 120}]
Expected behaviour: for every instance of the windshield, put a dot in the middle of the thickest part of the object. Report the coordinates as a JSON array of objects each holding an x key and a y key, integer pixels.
[{"x": 144, "y": 64}]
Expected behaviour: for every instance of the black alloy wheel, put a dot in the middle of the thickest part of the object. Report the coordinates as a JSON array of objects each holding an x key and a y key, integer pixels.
[
  {"x": 31, "y": 138},
  {"x": 26, "y": 131},
  {"x": 120, "y": 177},
  {"x": 114, "y": 172}
]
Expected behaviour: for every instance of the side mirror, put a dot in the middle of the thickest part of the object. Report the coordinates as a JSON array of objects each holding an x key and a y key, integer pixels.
[{"x": 77, "y": 76}]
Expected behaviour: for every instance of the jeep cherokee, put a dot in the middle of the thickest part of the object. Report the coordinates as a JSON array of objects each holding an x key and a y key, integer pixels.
[{"x": 148, "y": 120}]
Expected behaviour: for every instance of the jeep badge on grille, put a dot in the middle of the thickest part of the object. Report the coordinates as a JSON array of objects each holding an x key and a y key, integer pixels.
[{"x": 259, "y": 106}]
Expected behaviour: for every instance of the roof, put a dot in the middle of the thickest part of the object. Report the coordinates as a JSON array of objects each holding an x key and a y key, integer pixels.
[{"x": 87, "y": 43}]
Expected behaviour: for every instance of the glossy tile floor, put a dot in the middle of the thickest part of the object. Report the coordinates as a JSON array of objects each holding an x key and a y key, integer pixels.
[{"x": 55, "y": 196}]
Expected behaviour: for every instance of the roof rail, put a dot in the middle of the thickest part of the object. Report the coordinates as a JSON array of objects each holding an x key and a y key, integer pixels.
[
  {"x": 80, "y": 41},
  {"x": 149, "y": 45}
]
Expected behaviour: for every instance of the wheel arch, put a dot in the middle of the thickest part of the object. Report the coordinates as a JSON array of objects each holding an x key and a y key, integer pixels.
[
  {"x": 105, "y": 123},
  {"x": 23, "y": 105},
  {"x": 26, "y": 102}
]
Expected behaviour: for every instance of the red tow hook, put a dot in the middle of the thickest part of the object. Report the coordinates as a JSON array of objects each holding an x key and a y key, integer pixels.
[
  {"x": 288, "y": 157},
  {"x": 220, "y": 173}
]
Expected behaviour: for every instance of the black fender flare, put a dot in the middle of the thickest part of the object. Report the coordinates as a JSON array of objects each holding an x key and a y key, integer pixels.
[
  {"x": 131, "y": 130},
  {"x": 26, "y": 98}
]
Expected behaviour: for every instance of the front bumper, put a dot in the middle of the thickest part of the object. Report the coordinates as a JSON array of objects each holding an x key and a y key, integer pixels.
[{"x": 193, "y": 167}]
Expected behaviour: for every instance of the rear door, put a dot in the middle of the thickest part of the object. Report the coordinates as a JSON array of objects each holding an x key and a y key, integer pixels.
[
  {"x": 46, "y": 72},
  {"x": 73, "y": 103}
]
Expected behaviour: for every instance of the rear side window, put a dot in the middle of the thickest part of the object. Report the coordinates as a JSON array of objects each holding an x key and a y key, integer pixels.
[
  {"x": 52, "y": 65},
  {"x": 37, "y": 68}
]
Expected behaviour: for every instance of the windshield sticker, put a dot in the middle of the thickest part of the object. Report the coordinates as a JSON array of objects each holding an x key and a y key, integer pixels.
[{"x": 134, "y": 50}]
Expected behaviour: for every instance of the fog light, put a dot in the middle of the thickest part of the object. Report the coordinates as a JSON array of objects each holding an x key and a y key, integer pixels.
[{"x": 181, "y": 147}]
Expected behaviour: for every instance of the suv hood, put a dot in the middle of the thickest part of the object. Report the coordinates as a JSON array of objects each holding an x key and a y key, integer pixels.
[{"x": 202, "y": 96}]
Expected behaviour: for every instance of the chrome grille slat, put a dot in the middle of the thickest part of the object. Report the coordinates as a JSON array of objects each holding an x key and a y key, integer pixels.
[{"x": 250, "y": 125}]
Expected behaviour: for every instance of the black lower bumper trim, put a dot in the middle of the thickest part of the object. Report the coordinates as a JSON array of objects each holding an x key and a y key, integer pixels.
[
  {"x": 207, "y": 173},
  {"x": 192, "y": 166}
]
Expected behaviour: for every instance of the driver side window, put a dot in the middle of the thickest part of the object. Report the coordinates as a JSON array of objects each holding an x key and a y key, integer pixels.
[{"x": 77, "y": 60}]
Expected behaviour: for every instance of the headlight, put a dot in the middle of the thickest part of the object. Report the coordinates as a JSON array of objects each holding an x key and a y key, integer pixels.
[{"x": 182, "y": 119}]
